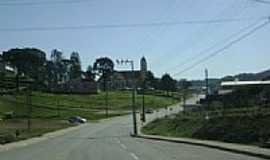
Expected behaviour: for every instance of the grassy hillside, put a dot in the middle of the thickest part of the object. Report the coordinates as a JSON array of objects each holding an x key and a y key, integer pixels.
[
  {"x": 236, "y": 129},
  {"x": 117, "y": 100},
  {"x": 51, "y": 111},
  {"x": 83, "y": 105}
]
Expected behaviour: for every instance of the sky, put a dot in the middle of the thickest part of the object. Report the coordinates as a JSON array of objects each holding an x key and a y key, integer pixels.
[{"x": 167, "y": 48}]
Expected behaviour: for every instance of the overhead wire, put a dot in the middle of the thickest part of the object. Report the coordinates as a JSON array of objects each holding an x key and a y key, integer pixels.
[
  {"x": 195, "y": 39},
  {"x": 262, "y": 1},
  {"x": 213, "y": 54},
  {"x": 142, "y": 44},
  {"x": 133, "y": 25},
  {"x": 215, "y": 45},
  {"x": 32, "y": 3}
]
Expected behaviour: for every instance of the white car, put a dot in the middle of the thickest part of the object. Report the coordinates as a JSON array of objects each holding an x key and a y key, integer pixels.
[{"x": 77, "y": 119}]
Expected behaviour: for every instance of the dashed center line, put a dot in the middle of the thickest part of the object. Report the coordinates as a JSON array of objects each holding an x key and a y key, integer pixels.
[
  {"x": 124, "y": 146},
  {"x": 134, "y": 156}
]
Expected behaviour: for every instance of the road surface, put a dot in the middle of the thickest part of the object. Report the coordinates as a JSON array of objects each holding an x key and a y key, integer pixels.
[{"x": 110, "y": 140}]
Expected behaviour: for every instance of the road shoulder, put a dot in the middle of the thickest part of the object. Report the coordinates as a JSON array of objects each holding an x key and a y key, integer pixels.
[{"x": 231, "y": 147}]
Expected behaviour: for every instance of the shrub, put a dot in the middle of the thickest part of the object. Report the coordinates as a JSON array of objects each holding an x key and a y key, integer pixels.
[{"x": 7, "y": 138}]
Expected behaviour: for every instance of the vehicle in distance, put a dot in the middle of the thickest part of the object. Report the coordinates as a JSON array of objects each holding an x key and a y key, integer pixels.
[
  {"x": 77, "y": 119},
  {"x": 149, "y": 111}
]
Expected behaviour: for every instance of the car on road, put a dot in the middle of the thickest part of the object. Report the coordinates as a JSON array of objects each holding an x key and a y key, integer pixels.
[
  {"x": 77, "y": 119},
  {"x": 149, "y": 111}
]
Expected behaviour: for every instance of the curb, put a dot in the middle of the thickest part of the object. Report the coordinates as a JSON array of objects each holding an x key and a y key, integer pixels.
[{"x": 200, "y": 143}]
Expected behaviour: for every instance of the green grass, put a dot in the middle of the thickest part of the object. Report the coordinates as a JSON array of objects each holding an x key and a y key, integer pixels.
[
  {"x": 116, "y": 100},
  {"x": 119, "y": 103},
  {"x": 234, "y": 129},
  {"x": 21, "y": 111},
  {"x": 47, "y": 119},
  {"x": 179, "y": 125},
  {"x": 8, "y": 129}
]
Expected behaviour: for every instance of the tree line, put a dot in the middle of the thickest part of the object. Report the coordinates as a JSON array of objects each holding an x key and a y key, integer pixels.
[{"x": 48, "y": 72}]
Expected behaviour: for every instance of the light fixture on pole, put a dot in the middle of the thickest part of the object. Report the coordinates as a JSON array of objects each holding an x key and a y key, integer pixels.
[{"x": 131, "y": 63}]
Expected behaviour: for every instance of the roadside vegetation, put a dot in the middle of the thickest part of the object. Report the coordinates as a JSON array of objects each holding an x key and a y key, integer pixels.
[
  {"x": 240, "y": 117},
  {"x": 50, "y": 112},
  {"x": 120, "y": 100},
  {"x": 233, "y": 129}
]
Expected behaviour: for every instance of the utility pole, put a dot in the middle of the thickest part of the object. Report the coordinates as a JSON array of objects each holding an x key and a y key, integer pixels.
[
  {"x": 206, "y": 82},
  {"x": 29, "y": 104},
  {"x": 17, "y": 80},
  {"x": 131, "y": 63},
  {"x": 107, "y": 103},
  {"x": 58, "y": 107},
  {"x": 133, "y": 99},
  {"x": 105, "y": 86},
  {"x": 143, "y": 102},
  {"x": 207, "y": 88}
]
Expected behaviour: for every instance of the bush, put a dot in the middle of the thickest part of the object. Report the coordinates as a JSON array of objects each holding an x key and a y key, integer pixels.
[
  {"x": 7, "y": 138},
  {"x": 8, "y": 115}
]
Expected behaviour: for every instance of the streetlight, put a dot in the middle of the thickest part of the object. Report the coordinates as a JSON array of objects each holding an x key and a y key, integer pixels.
[{"x": 131, "y": 63}]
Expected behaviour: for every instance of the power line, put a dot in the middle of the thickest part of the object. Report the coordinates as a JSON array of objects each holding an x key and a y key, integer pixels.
[
  {"x": 43, "y": 2},
  {"x": 195, "y": 40},
  {"x": 223, "y": 48},
  {"x": 190, "y": 59},
  {"x": 134, "y": 25},
  {"x": 262, "y": 1}
]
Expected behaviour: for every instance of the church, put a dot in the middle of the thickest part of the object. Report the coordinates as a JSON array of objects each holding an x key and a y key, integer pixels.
[{"x": 122, "y": 80}]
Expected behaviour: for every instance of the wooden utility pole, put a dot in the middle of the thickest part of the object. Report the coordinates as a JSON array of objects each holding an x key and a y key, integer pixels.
[
  {"x": 29, "y": 104},
  {"x": 133, "y": 99},
  {"x": 143, "y": 102},
  {"x": 206, "y": 88},
  {"x": 121, "y": 62}
]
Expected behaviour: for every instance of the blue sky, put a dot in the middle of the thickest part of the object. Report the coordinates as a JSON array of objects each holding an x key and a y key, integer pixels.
[{"x": 165, "y": 47}]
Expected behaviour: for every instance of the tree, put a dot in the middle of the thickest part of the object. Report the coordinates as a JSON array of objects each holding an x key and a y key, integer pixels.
[
  {"x": 76, "y": 70},
  {"x": 56, "y": 56},
  {"x": 167, "y": 83},
  {"x": 90, "y": 73},
  {"x": 57, "y": 67},
  {"x": 29, "y": 62},
  {"x": 150, "y": 79},
  {"x": 104, "y": 67}
]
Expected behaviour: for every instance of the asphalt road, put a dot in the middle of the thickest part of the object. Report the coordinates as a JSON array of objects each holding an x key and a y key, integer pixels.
[{"x": 110, "y": 140}]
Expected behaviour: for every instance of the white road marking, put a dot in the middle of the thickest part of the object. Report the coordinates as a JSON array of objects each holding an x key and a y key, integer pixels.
[
  {"x": 124, "y": 146},
  {"x": 118, "y": 141},
  {"x": 134, "y": 156}
]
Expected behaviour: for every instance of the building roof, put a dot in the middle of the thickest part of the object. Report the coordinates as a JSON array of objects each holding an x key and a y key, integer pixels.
[{"x": 244, "y": 83}]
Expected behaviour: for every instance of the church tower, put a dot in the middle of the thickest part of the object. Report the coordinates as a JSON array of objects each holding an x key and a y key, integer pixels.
[{"x": 143, "y": 64}]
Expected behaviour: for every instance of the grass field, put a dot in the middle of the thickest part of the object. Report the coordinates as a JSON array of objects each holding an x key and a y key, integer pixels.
[
  {"x": 116, "y": 100},
  {"x": 119, "y": 102},
  {"x": 179, "y": 125},
  {"x": 9, "y": 128},
  {"x": 235, "y": 129}
]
